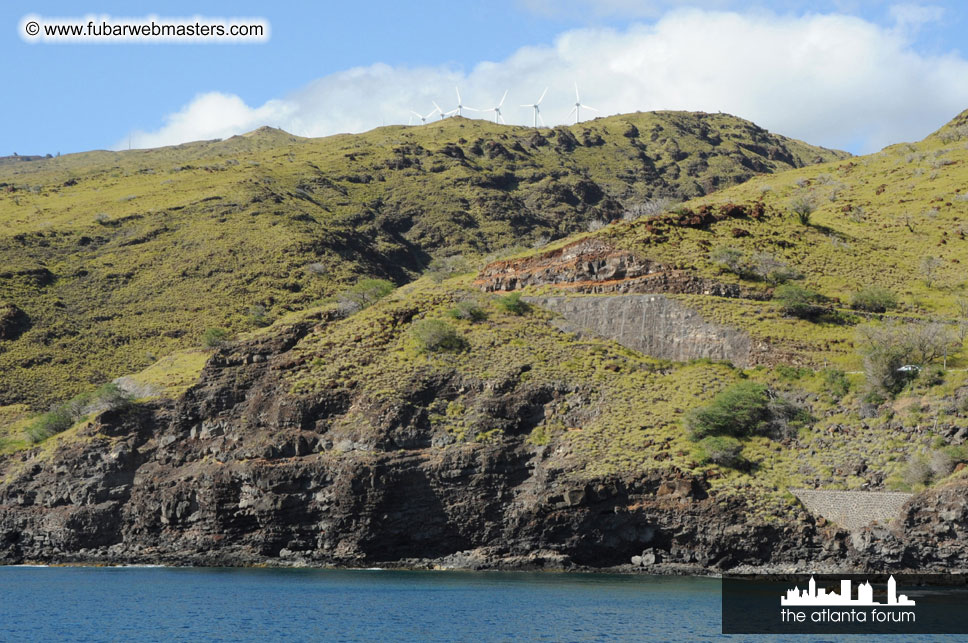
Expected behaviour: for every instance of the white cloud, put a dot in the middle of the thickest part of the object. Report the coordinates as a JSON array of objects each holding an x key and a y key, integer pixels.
[
  {"x": 832, "y": 80},
  {"x": 913, "y": 16}
]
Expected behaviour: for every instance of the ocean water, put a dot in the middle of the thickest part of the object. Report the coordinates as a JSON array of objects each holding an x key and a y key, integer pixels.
[{"x": 174, "y": 604}]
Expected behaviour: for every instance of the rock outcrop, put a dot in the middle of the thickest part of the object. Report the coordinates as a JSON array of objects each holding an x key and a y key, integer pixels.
[{"x": 594, "y": 266}]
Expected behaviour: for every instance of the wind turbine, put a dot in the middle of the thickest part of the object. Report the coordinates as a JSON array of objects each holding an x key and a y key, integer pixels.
[
  {"x": 442, "y": 114},
  {"x": 497, "y": 110},
  {"x": 460, "y": 106},
  {"x": 576, "y": 110},
  {"x": 423, "y": 119},
  {"x": 537, "y": 112}
]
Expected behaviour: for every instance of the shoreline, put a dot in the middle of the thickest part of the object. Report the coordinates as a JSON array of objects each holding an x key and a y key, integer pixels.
[{"x": 661, "y": 569}]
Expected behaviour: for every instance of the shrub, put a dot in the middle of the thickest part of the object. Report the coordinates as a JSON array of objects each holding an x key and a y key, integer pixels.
[
  {"x": 791, "y": 373},
  {"x": 941, "y": 464},
  {"x": 929, "y": 268},
  {"x": 54, "y": 421},
  {"x": 258, "y": 317},
  {"x": 797, "y": 301},
  {"x": 873, "y": 299},
  {"x": 931, "y": 376},
  {"x": 836, "y": 381},
  {"x": 436, "y": 336},
  {"x": 747, "y": 408},
  {"x": 917, "y": 471},
  {"x": 771, "y": 270},
  {"x": 63, "y": 416},
  {"x": 513, "y": 304},
  {"x": 468, "y": 311},
  {"x": 214, "y": 337},
  {"x": 803, "y": 207},
  {"x": 444, "y": 267},
  {"x": 363, "y": 294},
  {"x": 109, "y": 397},
  {"x": 720, "y": 449},
  {"x": 730, "y": 259}
]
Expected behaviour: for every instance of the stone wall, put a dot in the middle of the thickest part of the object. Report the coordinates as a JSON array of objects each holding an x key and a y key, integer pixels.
[
  {"x": 853, "y": 509},
  {"x": 651, "y": 324}
]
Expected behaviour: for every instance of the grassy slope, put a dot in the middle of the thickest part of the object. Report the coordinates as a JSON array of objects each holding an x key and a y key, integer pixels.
[
  {"x": 118, "y": 259},
  {"x": 620, "y": 412}
]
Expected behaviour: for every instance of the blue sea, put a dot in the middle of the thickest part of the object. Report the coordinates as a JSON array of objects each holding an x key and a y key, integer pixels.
[{"x": 191, "y": 604}]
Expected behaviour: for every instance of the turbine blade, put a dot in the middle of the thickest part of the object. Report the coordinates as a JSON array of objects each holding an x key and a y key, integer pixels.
[
  {"x": 542, "y": 96},
  {"x": 458, "y": 95},
  {"x": 573, "y": 110},
  {"x": 503, "y": 97},
  {"x": 577, "y": 97},
  {"x": 437, "y": 106},
  {"x": 526, "y": 105},
  {"x": 473, "y": 109},
  {"x": 416, "y": 114},
  {"x": 541, "y": 119},
  {"x": 590, "y": 107},
  {"x": 502, "y": 118}
]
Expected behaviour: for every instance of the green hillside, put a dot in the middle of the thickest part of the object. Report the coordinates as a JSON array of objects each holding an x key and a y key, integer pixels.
[
  {"x": 110, "y": 261},
  {"x": 439, "y": 357}
]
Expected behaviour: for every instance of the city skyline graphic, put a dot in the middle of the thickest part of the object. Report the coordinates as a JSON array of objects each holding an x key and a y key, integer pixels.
[{"x": 812, "y": 596}]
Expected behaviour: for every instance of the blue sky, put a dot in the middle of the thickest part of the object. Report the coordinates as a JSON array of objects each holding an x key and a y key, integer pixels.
[{"x": 850, "y": 74}]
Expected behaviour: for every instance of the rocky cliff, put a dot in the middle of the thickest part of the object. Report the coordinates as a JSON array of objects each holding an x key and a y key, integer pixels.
[{"x": 241, "y": 470}]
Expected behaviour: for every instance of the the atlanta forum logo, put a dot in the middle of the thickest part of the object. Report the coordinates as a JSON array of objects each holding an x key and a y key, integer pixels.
[{"x": 834, "y": 605}]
